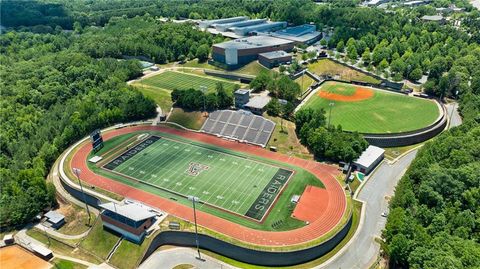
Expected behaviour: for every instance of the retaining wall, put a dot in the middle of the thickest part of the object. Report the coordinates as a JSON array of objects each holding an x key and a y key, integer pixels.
[{"x": 251, "y": 256}]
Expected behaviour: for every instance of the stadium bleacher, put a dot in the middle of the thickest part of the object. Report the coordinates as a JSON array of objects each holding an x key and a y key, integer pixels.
[{"x": 239, "y": 125}]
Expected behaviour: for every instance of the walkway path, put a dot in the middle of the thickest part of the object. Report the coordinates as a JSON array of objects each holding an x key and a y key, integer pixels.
[
  {"x": 171, "y": 257},
  {"x": 60, "y": 235}
]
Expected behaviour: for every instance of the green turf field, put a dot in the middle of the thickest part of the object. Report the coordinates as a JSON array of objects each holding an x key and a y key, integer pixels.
[
  {"x": 385, "y": 112},
  {"x": 234, "y": 183},
  {"x": 171, "y": 80}
]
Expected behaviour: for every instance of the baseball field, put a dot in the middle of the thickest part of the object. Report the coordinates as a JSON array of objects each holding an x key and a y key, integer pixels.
[
  {"x": 170, "y": 80},
  {"x": 368, "y": 110}
]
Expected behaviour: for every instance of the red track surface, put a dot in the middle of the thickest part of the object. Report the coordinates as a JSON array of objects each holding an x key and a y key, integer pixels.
[
  {"x": 313, "y": 203},
  {"x": 325, "y": 221}
]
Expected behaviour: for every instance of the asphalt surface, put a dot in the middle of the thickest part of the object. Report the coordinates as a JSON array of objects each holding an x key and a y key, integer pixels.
[
  {"x": 363, "y": 250},
  {"x": 453, "y": 115},
  {"x": 172, "y": 257}
]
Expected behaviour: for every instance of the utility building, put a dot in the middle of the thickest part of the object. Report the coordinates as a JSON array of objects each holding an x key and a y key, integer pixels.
[
  {"x": 274, "y": 58},
  {"x": 369, "y": 159},
  {"x": 130, "y": 220}
]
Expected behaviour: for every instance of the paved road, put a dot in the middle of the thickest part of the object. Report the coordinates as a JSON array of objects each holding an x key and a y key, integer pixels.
[
  {"x": 363, "y": 250},
  {"x": 453, "y": 115},
  {"x": 170, "y": 258}
]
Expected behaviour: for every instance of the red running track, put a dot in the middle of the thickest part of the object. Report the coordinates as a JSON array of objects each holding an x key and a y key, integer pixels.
[{"x": 326, "y": 220}]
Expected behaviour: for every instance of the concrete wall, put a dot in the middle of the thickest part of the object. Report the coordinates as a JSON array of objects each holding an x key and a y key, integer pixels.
[{"x": 251, "y": 256}]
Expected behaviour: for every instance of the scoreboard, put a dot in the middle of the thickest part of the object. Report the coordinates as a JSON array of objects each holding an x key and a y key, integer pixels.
[{"x": 97, "y": 140}]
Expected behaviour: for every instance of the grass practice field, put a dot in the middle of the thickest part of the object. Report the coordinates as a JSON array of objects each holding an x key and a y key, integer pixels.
[
  {"x": 367, "y": 110},
  {"x": 234, "y": 183},
  {"x": 171, "y": 80}
]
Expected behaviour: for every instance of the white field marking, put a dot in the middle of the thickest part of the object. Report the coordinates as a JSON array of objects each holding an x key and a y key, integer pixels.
[
  {"x": 165, "y": 144},
  {"x": 260, "y": 170},
  {"x": 153, "y": 162},
  {"x": 259, "y": 190},
  {"x": 248, "y": 166},
  {"x": 134, "y": 160},
  {"x": 142, "y": 172},
  {"x": 235, "y": 202},
  {"x": 205, "y": 192},
  {"x": 219, "y": 197},
  {"x": 233, "y": 156},
  {"x": 198, "y": 153},
  {"x": 240, "y": 187},
  {"x": 210, "y": 156},
  {"x": 153, "y": 175},
  {"x": 191, "y": 188},
  {"x": 131, "y": 168},
  {"x": 166, "y": 179},
  {"x": 234, "y": 163},
  {"x": 187, "y": 150},
  {"x": 222, "y": 159},
  {"x": 178, "y": 183}
]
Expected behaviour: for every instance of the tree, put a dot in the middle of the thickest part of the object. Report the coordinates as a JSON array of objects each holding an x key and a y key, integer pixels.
[
  {"x": 416, "y": 74},
  {"x": 352, "y": 52},
  {"x": 224, "y": 100},
  {"x": 366, "y": 56},
  {"x": 202, "y": 53},
  {"x": 340, "y": 46},
  {"x": 383, "y": 65},
  {"x": 260, "y": 82},
  {"x": 273, "y": 107}
]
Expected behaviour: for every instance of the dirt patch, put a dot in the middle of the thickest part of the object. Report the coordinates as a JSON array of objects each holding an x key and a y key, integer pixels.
[
  {"x": 18, "y": 258},
  {"x": 359, "y": 95}
]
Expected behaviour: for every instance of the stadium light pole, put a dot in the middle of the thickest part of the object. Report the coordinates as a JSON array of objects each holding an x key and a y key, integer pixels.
[
  {"x": 330, "y": 113},
  {"x": 204, "y": 91},
  {"x": 77, "y": 172},
  {"x": 194, "y": 200}
]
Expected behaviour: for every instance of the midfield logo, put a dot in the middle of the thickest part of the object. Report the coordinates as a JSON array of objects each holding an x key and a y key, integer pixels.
[{"x": 194, "y": 169}]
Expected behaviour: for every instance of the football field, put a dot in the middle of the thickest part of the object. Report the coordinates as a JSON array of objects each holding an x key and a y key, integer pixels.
[
  {"x": 234, "y": 183},
  {"x": 171, "y": 80}
]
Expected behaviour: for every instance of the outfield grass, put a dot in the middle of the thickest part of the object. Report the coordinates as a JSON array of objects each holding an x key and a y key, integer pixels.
[
  {"x": 385, "y": 112},
  {"x": 190, "y": 119},
  {"x": 329, "y": 67},
  {"x": 171, "y": 80},
  {"x": 304, "y": 81},
  {"x": 280, "y": 212}
]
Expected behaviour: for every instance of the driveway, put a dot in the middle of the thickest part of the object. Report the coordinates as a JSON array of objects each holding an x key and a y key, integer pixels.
[
  {"x": 363, "y": 250},
  {"x": 169, "y": 258}
]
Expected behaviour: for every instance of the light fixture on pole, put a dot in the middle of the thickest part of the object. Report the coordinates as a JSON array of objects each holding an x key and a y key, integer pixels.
[
  {"x": 77, "y": 172},
  {"x": 204, "y": 91},
  {"x": 330, "y": 113},
  {"x": 194, "y": 200}
]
